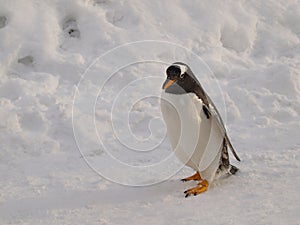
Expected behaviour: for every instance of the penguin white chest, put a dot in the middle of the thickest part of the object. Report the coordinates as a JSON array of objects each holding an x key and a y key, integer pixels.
[{"x": 187, "y": 126}]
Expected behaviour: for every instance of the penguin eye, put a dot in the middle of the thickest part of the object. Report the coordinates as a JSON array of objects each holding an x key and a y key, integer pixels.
[{"x": 182, "y": 75}]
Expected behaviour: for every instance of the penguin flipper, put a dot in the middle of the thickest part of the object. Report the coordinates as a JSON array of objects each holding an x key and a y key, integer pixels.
[
  {"x": 231, "y": 148},
  {"x": 206, "y": 111},
  {"x": 214, "y": 111}
]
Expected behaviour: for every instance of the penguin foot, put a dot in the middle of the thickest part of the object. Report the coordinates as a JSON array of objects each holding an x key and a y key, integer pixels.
[
  {"x": 196, "y": 176},
  {"x": 201, "y": 187}
]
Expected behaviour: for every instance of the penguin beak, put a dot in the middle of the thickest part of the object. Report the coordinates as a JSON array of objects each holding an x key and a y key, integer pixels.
[{"x": 168, "y": 83}]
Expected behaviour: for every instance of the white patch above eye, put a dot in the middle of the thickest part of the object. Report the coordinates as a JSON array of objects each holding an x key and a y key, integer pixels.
[{"x": 183, "y": 68}]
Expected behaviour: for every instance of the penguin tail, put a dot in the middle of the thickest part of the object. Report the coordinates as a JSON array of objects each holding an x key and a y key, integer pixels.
[{"x": 233, "y": 169}]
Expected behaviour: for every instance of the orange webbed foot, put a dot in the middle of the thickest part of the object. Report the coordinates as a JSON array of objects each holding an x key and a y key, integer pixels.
[{"x": 200, "y": 188}]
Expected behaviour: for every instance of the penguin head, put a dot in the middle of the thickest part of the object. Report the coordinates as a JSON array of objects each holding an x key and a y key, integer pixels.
[{"x": 180, "y": 79}]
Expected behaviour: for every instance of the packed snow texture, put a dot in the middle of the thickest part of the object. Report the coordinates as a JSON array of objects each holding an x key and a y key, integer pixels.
[{"x": 252, "y": 50}]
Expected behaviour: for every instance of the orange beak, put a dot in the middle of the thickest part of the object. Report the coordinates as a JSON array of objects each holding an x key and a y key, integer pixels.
[{"x": 168, "y": 83}]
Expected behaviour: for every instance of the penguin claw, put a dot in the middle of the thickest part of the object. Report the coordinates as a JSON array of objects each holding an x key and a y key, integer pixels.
[{"x": 189, "y": 194}]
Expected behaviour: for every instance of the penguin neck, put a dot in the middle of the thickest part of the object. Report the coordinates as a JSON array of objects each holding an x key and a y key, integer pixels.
[{"x": 190, "y": 86}]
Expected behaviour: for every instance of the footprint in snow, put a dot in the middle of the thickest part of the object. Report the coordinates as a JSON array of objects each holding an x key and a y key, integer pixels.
[
  {"x": 70, "y": 28},
  {"x": 27, "y": 60},
  {"x": 3, "y": 21}
]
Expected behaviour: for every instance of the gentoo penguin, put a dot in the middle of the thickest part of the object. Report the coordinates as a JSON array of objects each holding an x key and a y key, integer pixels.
[{"x": 195, "y": 128}]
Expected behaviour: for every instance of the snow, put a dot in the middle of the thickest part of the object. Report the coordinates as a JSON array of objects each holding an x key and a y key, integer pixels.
[{"x": 79, "y": 98}]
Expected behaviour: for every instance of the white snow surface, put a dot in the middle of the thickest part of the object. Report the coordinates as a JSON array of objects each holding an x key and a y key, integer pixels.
[{"x": 253, "y": 51}]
